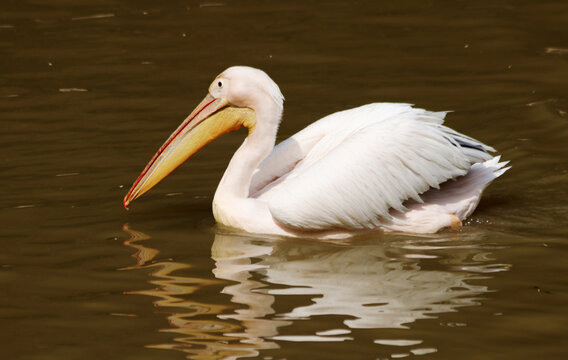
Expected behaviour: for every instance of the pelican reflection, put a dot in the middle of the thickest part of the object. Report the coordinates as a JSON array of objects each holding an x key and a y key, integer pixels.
[
  {"x": 366, "y": 284},
  {"x": 372, "y": 284}
]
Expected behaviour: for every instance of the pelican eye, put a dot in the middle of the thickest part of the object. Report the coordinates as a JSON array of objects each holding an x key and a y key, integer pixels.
[{"x": 220, "y": 84}]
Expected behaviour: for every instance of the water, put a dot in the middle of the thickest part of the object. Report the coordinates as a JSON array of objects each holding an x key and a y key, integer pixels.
[{"x": 90, "y": 90}]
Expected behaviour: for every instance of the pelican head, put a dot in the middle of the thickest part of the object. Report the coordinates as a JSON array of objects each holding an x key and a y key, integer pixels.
[{"x": 235, "y": 98}]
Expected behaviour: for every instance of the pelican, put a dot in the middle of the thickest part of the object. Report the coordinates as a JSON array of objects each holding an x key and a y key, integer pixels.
[{"x": 378, "y": 167}]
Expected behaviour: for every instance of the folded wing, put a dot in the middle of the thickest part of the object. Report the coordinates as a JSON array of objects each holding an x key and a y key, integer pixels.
[{"x": 349, "y": 169}]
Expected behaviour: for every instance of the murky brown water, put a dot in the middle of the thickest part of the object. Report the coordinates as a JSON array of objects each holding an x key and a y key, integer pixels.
[{"x": 89, "y": 90}]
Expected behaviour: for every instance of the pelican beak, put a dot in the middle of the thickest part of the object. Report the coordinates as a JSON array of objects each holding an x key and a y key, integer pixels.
[{"x": 210, "y": 119}]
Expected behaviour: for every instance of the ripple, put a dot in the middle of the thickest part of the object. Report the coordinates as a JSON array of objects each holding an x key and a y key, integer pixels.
[
  {"x": 310, "y": 338},
  {"x": 397, "y": 342},
  {"x": 93, "y": 17},
  {"x": 333, "y": 332},
  {"x": 423, "y": 351}
]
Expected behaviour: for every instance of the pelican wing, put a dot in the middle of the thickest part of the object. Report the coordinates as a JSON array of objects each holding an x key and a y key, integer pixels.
[{"x": 349, "y": 169}]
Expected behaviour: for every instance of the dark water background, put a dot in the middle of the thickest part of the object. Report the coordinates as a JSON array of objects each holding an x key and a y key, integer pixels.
[{"x": 90, "y": 89}]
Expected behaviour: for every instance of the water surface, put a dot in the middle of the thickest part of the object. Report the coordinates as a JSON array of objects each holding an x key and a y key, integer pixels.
[{"x": 90, "y": 90}]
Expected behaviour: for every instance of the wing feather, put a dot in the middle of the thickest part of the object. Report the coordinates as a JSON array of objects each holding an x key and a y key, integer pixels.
[{"x": 362, "y": 163}]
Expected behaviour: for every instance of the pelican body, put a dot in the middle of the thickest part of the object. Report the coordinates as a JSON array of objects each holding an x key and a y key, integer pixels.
[{"x": 381, "y": 166}]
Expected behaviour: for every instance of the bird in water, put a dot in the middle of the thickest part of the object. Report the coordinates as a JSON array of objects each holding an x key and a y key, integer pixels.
[{"x": 378, "y": 167}]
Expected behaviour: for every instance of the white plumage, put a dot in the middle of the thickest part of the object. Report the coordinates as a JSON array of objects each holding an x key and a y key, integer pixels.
[
  {"x": 365, "y": 162},
  {"x": 380, "y": 166}
]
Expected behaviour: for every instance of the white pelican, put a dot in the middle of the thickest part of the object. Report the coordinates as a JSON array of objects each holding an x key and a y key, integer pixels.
[{"x": 382, "y": 166}]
